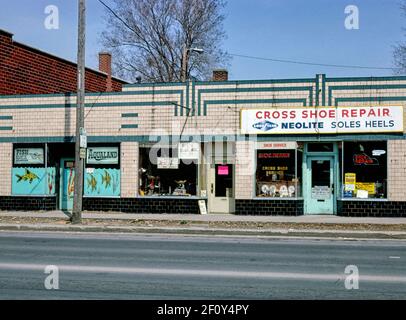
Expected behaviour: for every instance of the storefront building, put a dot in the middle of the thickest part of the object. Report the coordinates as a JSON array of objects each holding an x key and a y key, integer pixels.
[{"x": 268, "y": 147}]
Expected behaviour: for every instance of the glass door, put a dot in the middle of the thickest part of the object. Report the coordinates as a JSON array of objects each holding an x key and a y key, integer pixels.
[
  {"x": 221, "y": 193},
  {"x": 67, "y": 184},
  {"x": 319, "y": 195}
]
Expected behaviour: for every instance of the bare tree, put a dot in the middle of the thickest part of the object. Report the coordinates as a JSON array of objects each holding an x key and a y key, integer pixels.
[
  {"x": 148, "y": 38},
  {"x": 399, "y": 53}
]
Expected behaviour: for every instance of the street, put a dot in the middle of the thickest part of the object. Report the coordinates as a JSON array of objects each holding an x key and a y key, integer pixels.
[{"x": 121, "y": 266}]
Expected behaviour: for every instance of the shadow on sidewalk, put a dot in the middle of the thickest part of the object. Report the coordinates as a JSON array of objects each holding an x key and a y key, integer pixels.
[{"x": 67, "y": 213}]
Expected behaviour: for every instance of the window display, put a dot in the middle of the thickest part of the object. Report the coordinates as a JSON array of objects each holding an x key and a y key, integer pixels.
[
  {"x": 365, "y": 169},
  {"x": 102, "y": 177},
  {"x": 162, "y": 173},
  {"x": 32, "y": 173},
  {"x": 277, "y": 173}
]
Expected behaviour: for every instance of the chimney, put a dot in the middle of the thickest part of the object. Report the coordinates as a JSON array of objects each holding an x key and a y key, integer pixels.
[
  {"x": 220, "y": 75},
  {"x": 105, "y": 66}
]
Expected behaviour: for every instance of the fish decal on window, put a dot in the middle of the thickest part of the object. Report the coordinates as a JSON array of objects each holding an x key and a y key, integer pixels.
[
  {"x": 265, "y": 125},
  {"x": 106, "y": 179},
  {"x": 92, "y": 182},
  {"x": 28, "y": 176}
]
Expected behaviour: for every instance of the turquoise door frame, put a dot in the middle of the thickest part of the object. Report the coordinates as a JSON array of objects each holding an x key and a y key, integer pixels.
[
  {"x": 65, "y": 186},
  {"x": 315, "y": 204}
]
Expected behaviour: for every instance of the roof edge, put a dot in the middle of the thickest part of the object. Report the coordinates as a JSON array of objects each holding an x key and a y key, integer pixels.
[{"x": 64, "y": 60}]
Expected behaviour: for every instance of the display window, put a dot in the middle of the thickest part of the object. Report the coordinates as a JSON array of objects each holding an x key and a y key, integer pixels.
[
  {"x": 163, "y": 173},
  {"x": 365, "y": 169},
  {"x": 102, "y": 177},
  {"x": 278, "y": 173},
  {"x": 32, "y": 172}
]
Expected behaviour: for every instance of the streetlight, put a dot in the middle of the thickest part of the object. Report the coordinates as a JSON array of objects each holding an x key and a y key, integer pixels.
[{"x": 185, "y": 60}]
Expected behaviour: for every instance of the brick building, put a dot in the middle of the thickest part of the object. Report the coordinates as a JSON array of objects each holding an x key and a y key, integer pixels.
[
  {"x": 284, "y": 146},
  {"x": 26, "y": 70}
]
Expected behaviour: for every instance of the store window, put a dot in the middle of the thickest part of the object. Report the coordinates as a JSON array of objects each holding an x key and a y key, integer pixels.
[
  {"x": 102, "y": 173},
  {"x": 32, "y": 173},
  {"x": 163, "y": 171},
  {"x": 365, "y": 169},
  {"x": 278, "y": 173}
]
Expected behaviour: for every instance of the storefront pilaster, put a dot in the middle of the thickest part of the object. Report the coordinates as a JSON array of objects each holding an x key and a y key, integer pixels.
[
  {"x": 245, "y": 169},
  {"x": 6, "y": 158},
  {"x": 129, "y": 169},
  {"x": 397, "y": 170}
]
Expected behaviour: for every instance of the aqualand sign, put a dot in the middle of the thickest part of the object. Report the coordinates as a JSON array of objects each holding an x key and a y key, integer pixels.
[{"x": 322, "y": 120}]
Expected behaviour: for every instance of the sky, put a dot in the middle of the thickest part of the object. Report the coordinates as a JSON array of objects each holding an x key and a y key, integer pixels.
[{"x": 299, "y": 30}]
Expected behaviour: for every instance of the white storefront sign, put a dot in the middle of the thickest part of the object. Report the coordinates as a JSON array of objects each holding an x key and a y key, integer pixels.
[
  {"x": 102, "y": 155},
  {"x": 28, "y": 156},
  {"x": 167, "y": 163},
  {"x": 276, "y": 145},
  {"x": 322, "y": 120},
  {"x": 188, "y": 150}
]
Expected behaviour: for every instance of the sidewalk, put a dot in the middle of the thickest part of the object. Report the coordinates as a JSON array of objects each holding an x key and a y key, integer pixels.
[
  {"x": 211, "y": 224},
  {"x": 319, "y": 219}
]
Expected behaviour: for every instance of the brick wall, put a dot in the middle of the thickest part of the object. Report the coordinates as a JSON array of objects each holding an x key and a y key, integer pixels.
[
  {"x": 6, "y": 158},
  {"x": 396, "y": 170},
  {"x": 24, "y": 70}
]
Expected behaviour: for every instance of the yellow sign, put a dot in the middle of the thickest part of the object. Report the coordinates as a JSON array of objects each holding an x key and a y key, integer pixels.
[
  {"x": 350, "y": 182},
  {"x": 367, "y": 186}
]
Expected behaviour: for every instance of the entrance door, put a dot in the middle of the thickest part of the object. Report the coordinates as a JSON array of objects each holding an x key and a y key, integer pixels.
[
  {"x": 67, "y": 174},
  {"x": 319, "y": 193},
  {"x": 221, "y": 193}
]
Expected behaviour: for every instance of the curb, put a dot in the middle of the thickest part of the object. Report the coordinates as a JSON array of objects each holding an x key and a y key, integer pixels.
[{"x": 198, "y": 231}]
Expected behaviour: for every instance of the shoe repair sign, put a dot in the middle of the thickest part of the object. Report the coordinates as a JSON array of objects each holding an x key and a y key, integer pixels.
[{"x": 322, "y": 120}]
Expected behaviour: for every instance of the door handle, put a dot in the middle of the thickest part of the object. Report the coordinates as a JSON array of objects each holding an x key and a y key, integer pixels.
[
  {"x": 332, "y": 188},
  {"x": 212, "y": 188}
]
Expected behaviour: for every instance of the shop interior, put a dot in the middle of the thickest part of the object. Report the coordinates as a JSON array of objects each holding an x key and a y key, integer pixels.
[{"x": 163, "y": 174}]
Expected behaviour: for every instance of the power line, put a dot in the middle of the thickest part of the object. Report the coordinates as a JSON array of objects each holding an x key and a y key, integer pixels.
[
  {"x": 271, "y": 59},
  {"x": 310, "y": 63},
  {"x": 117, "y": 16}
]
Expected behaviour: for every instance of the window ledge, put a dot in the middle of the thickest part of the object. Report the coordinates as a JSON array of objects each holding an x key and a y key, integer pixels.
[
  {"x": 172, "y": 197},
  {"x": 359, "y": 199},
  {"x": 107, "y": 197},
  {"x": 275, "y": 198},
  {"x": 35, "y": 195}
]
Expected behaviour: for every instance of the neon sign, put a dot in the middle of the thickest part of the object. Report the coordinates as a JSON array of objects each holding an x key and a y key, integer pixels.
[{"x": 364, "y": 159}]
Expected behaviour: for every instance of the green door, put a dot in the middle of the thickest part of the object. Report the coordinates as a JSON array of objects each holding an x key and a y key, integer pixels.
[
  {"x": 319, "y": 188},
  {"x": 67, "y": 184}
]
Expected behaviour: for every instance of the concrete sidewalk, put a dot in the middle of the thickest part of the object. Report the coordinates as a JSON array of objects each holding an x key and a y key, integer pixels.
[
  {"x": 314, "y": 219},
  {"x": 316, "y": 227}
]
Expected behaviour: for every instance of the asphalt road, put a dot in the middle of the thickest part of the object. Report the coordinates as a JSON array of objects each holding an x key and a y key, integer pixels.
[{"x": 112, "y": 266}]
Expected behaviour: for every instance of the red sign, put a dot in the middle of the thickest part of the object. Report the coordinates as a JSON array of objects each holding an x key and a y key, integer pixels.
[
  {"x": 222, "y": 170},
  {"x": 364, "y": 159},
  {"x": 273, "y": 155}
]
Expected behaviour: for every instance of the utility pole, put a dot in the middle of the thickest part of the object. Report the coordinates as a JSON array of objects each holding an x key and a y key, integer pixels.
[{"x": 79, "y": 159}]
